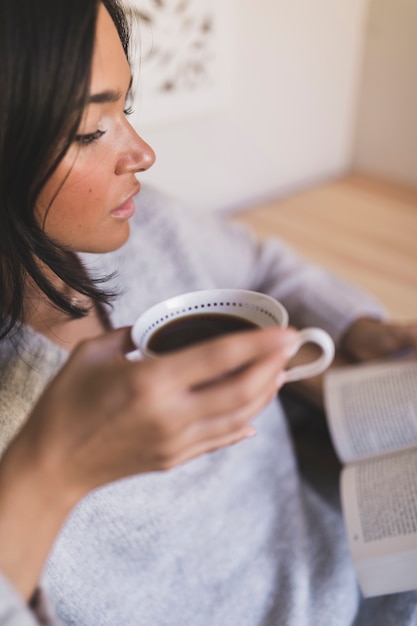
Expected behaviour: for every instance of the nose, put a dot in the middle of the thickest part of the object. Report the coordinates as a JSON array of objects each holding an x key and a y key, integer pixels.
[{"x": 137, "y": 156}]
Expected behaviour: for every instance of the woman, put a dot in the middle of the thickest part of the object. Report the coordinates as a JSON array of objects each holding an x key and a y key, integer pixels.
[{"x": 232, "y": 537}]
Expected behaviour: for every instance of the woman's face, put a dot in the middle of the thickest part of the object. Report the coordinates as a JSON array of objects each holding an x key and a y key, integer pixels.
[{"x": 87, "y": 202}]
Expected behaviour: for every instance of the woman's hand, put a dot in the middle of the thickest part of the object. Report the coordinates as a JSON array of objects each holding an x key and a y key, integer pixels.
[
  {"x": 104, "y": 417},
  {"x": 371, "y": 339},
  {"x": 365, "y": 340}
]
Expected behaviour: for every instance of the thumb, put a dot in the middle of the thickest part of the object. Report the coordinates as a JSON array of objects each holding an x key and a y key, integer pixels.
[{"x": 112, "y": 344}]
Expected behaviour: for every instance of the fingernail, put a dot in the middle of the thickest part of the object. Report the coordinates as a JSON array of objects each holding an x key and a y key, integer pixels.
[
  {"x": 250, "y": 432},
  {"x": 281, "y": 379}
]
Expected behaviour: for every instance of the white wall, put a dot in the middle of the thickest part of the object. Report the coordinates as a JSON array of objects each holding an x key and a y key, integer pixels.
[
  {"x": 386, "y": 141},
  {"x": 289, "y": 111}
]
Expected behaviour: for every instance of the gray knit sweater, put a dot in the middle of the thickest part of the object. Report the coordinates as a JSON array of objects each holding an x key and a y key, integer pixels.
[{"x": 233, "y": 538}]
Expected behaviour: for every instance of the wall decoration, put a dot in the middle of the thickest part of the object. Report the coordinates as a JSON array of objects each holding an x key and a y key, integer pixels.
[{"x": 177, "y": 58}]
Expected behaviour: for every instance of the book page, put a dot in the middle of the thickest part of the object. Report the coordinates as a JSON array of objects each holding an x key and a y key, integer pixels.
[
  {"x": 379, "y": 500},
  {"x": 372, "y": 409}
]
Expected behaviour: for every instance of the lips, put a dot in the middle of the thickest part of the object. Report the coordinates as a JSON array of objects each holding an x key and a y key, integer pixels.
[{"x": 125, "y": 211}]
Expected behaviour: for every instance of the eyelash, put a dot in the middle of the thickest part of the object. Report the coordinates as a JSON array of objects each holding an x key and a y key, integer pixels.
[{"x": 85, "y": 140}]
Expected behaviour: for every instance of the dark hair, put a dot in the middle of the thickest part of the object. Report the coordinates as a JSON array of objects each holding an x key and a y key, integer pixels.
[{"x": 46, "y": 49}]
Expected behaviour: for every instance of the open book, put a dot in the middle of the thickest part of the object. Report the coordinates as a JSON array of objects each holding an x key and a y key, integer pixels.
[{"x": 372, "y": 416}]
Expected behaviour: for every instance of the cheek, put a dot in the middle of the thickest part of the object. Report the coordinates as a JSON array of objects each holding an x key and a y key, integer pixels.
[
  {"x": 77, "y": 202},
  {"x": 76, "y": 209},
  {"x": 78, "y": 217}
]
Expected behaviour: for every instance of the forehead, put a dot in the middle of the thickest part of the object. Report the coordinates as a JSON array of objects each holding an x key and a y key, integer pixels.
[{"x": 110, "y": 69}]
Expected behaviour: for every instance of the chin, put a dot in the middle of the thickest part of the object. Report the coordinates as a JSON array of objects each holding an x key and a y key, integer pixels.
[{"x": 108, "y": 244}]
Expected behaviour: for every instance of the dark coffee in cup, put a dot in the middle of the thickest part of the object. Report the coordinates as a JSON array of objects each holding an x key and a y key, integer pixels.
[
  {"x": 197, "y": 316},
  {"x": 190, "y": 329}
]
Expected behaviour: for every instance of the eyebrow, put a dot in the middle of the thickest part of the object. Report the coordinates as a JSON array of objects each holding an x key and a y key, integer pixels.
[
  {"x": 104, "y": 96},
  {"x": 108, "y": 96}
]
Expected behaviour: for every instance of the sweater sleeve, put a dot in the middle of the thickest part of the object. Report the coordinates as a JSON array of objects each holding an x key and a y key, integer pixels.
[
  {"x": 14, "y": 611},
  {"x": 313, "y": 296}
]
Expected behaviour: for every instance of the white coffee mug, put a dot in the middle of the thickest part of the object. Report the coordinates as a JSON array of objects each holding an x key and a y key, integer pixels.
[{"x": 258, "y": 308}]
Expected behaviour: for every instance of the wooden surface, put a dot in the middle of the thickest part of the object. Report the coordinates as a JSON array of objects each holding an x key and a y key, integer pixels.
[{"x": 362, "y": 229}]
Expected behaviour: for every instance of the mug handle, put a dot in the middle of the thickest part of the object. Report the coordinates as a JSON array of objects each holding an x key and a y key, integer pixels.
[{"x": 322, "y": 339}]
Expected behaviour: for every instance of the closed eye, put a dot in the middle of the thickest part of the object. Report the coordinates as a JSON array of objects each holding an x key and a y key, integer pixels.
[{"x": 88, "y": 138}]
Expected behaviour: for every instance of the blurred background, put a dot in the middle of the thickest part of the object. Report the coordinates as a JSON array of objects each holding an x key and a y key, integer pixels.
[
  {"x": 297, "y": 117},
  {"x": 306, "y": 91}
]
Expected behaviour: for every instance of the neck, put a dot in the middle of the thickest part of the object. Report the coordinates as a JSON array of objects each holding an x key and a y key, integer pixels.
[{"x": 47, "y": 319}]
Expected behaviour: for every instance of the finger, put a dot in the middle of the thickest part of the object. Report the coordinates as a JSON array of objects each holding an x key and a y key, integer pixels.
[
  {"x": 205, "y": 447},
  {"x": 191, "y": 431},
  {"x": 114, "y": 343},
  {"x": 201, "y": 364},
  {"x": 226, "y": 425},
  {"x": 393, "y": 340},
  {"x": 240, "y": 389},
  {"x": 407, "y": 336}
]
